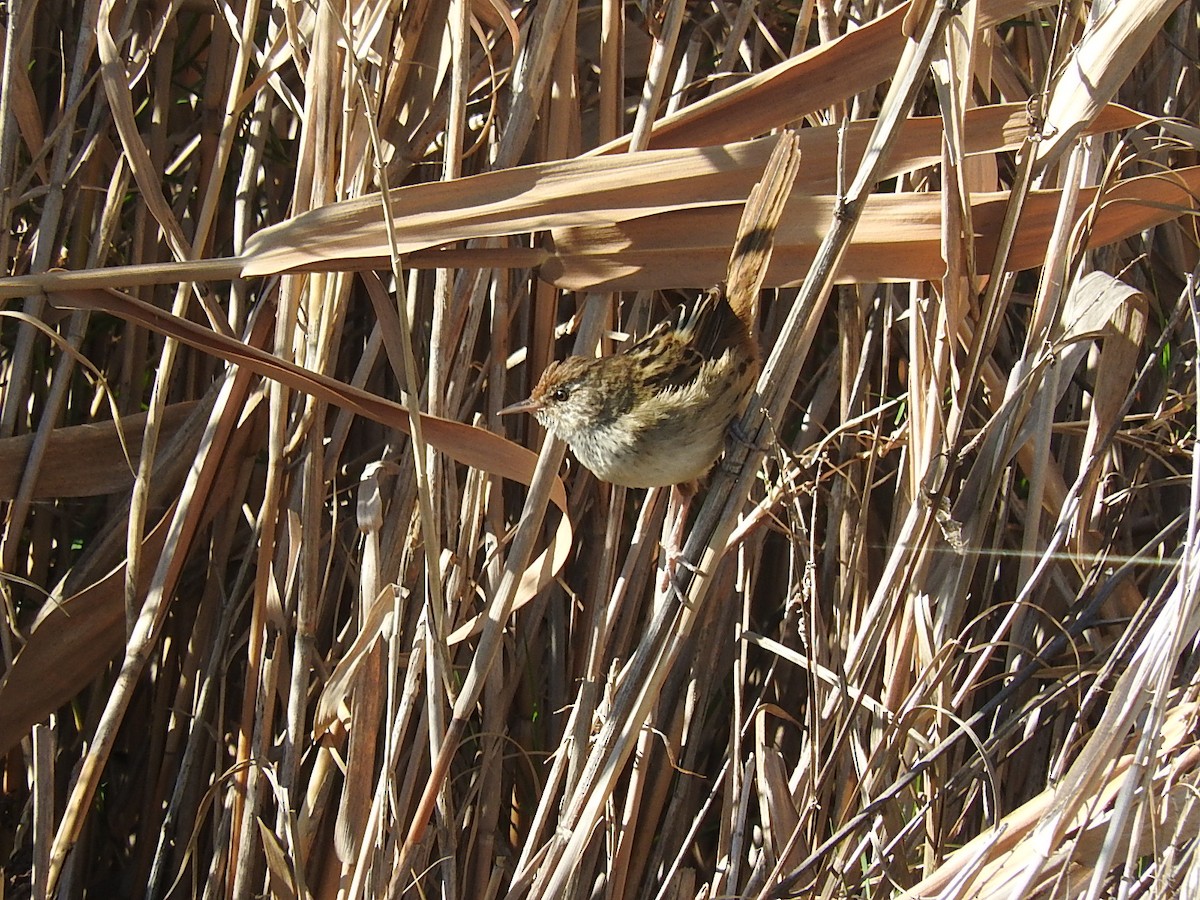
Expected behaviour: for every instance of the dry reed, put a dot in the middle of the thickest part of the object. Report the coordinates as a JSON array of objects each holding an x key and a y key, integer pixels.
[{"x": 289, "y": 612}]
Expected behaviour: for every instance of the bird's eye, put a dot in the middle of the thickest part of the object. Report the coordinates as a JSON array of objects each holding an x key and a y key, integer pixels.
[{"x": 560, "y": 395}]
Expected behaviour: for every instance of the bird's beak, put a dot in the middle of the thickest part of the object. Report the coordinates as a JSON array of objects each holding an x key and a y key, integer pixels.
[{"x": 526, "y": 405}]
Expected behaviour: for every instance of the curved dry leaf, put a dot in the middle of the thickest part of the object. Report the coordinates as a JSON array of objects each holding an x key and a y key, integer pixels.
[
  {"x": 786, "y": 92},
  {"x": 814, "y": 80},
  {"x": 1092, "y": 309},
  {"x": 510, "y": 201},
  {"x": 341, "y": 680},
  {"x": 73, "y": 640},
  {"x": 85, "y": 460},
  {"x": 71, "y": 643},
  {"x": 898, "y": 237},
  {"x": 1091, "y": 306},
  {"x": 279, "y": 869},
  {"x": 1101, "y": 303},
  {"x": 496, "y": 15},
  {"x": 1101, "y": 63},
  {"x": 601, "y": 191}
]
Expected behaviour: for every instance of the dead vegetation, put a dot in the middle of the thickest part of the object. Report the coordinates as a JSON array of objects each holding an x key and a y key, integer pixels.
[{"x": 267, "y": 631}]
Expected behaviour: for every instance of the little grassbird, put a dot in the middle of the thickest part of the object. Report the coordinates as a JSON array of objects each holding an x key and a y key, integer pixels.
[{"x": 657, "y": 412}]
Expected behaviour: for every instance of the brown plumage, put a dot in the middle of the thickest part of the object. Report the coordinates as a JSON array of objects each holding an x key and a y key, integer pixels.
[{"x": 657, "y": 412}]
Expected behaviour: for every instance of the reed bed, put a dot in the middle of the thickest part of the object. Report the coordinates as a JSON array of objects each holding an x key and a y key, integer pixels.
[{"x": 290, "y": 612}]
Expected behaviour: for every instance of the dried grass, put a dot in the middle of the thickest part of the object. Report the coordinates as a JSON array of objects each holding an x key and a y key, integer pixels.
[{"x": 280, "y": 617}]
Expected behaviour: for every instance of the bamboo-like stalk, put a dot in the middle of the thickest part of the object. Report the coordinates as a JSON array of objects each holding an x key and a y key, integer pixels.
[{"x": 288, "y": 610}]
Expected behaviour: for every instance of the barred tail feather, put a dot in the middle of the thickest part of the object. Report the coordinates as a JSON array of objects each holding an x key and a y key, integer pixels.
[{"x": 756, "y": 232}]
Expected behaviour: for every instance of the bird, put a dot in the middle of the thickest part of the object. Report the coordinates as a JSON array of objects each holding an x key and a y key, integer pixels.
[{"x": 656, "y": 413}]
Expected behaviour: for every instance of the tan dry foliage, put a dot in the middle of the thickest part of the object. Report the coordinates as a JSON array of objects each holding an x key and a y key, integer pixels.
[{"x": 278, "y": 618}]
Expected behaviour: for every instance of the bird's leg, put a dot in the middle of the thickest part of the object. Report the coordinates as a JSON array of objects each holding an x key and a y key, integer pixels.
[{"x": 680, "y": 505}]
